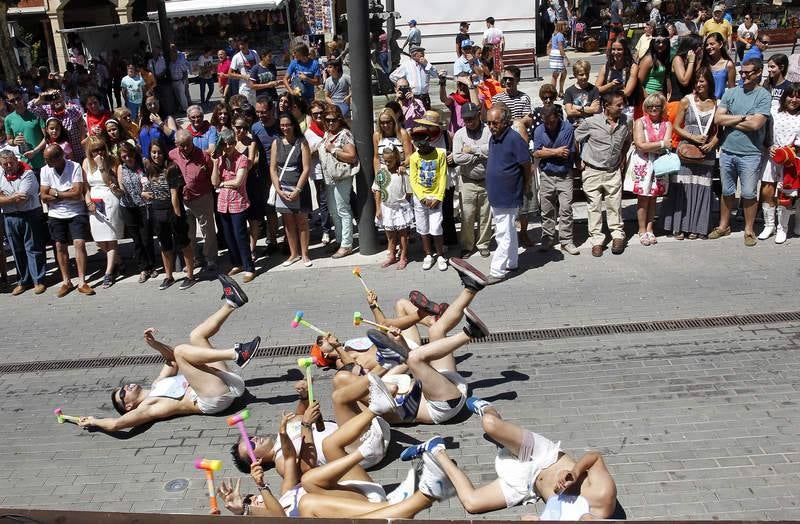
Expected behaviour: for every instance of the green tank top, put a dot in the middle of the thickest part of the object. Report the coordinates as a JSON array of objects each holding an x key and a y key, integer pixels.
[{"x": 655, "y": 80}]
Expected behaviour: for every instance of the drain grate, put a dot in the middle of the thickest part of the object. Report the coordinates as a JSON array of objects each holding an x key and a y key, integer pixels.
[{"x": 503, "y": 336}]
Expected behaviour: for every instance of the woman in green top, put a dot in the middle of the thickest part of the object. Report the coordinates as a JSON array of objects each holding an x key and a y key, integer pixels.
[{"x": 654, "y": 66}]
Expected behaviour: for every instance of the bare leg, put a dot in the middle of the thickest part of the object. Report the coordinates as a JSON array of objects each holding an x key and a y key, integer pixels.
[
  {"x": 435, "y": 386},
  {"x": 641, "y": 214},
  {"x": 166, "y": 259},
  {"x": 347, "y": 390},
  {"x": 488, "y": 497},
  {"x": 438, "y": 241},
  {"x": 201, "y": 335},
  {"x": 452, "y": 316},
  {"x": 62, "y": 257},
  {"x": 651, "y": 213},
  {"x": 304, "y": 235},
  {"x": 768, "y": 193},
  {"x": 333, "y": 504},
  {"x": 188, "y": 258},
  {"x": 750, "y": 206},
  {"x": 406, "y": 509},
  {"x": 507, "y": 434},
  {"x": 326, "y": 477},
  {"x": 80, "y": 259},
  {"x": 346, "y": 434},
  {"x": 725, "y": 206},
  {"x": 403, "y": 244},
  {"x": 426, "y": 244},
  {"x": 290, "y": 225}
]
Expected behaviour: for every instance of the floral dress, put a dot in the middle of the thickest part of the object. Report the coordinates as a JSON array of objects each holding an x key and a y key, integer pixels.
[{"x": 641, "y": 180}]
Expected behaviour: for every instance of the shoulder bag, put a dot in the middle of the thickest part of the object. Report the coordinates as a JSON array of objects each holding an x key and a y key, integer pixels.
[
  {"x": 273, "y": 195},
  {"x": 690, "y": 153}
]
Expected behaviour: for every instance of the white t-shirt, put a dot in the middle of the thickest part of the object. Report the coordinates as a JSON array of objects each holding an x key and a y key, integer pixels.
[
  {"x": 314, "y": 140},
  {"x": 243, "y": 64},
  {"x": 493, "y": 36},
  {"x": 63, "y": 208},
  {"x": 748, "y": 34}
]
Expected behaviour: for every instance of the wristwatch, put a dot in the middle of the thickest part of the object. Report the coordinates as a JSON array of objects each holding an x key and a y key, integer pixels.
[
  {"x": 744, "y": 117},
  {"x": 56, "y": 193}
]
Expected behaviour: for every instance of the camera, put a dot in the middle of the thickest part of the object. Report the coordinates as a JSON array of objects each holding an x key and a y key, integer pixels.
[{"x": 404, "y": 91}]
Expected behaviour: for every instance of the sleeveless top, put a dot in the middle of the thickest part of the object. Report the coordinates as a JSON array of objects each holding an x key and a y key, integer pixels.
[
  {"x": 720, "y": 81},
  {"x": 170, "y": 387},
  {"x": 678, "y": 90},
  {"x": 695, "y": 124},
  {"x": 656, "y": 79}
]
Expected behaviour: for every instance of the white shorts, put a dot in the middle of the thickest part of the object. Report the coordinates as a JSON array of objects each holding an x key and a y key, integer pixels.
[
  {"x": 440, "y": 410},
  {"x": 429, "y": 221},
  {"x": 212, "y": 405},
  {"x": 517, "y": 477},
  {"x": 772, "y": 172},
  {"x": 374, "y": 492}
]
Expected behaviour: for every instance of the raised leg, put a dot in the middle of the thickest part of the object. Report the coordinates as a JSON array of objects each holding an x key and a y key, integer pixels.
[
  {"x": 435, "y": 386},
  {"x": 488, "y": 497}
]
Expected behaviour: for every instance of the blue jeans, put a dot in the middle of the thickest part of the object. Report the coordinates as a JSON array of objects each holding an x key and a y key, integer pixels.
[
  {"x": 339, "y": 207},
  {"x": 747, "y": 169},
  {"x": 234, "y": 227},
  {"x": 25, "y": 231},
  {"x": 134, "y": 108}
]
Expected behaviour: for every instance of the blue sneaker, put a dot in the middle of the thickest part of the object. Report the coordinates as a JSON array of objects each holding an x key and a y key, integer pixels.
[
  {"x": 413, "y": 452},
  {"x": 477, "y": 405}
]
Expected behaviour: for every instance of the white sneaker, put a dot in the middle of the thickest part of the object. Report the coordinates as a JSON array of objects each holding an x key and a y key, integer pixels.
[
  {"x": 433, "y": 482},
  {"x": 405, "y": 489},
  {"x": 441, "y": 263},
  {"x": 371, "y": 445},
  {"x": 427, "y": 263},
  {"x": 381, "y": 400},
  {"x": 780, "y": 236}
]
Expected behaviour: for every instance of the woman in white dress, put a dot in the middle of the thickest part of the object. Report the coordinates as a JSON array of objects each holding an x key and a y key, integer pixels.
[{"x": 103, "y": 204}]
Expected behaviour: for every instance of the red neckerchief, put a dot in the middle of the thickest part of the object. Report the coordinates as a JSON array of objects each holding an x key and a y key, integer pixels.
[
  {"x": 23, "y": 167},
  {"x": 316, "y": 129},
  {"x": 459, "y": 99},
  {"x": 199, "y": 132}
]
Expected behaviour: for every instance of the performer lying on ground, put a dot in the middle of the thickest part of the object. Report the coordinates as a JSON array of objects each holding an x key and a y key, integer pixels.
[
  {"x": 267, "y": 448},
  {"x": 194, "y": 379},
  {"x": 341, "y": 488},
  {"x": 437, "y": 392},
  {"x": 529, "y": 466}
]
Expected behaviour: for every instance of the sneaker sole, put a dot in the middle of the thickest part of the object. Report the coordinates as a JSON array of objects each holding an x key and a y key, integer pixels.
[
  {"x": 376, "y": 381},
  {"x": 413, "y": 452},
  {"x": 462, "y": 266},
  {"x": 230, "y": 282},
  {"x": 257, "y": 340},
  {"x": 476, "y": 321},
  {"x": 383, "y": 341}
]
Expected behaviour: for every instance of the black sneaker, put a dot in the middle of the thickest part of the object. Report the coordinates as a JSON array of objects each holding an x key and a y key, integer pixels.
[
  {"x": 232, "y": 292},
  {"x": 422, "y": 302},
  {"x": 475, "y": 327},
  {"x": 189, "y": 282},
  {"x": 470, "y": 276},
  {"x": 245, "y": 351},
  {"x": 390, "y": 353},
  {"x": 167, "y": 282}
]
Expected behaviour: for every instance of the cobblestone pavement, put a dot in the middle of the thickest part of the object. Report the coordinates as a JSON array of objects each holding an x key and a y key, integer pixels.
[{"x": 695, "y": 424}]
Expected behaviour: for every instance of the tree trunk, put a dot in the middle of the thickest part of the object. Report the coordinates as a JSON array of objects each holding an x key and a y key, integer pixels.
[{"x": 8, "y": 59}]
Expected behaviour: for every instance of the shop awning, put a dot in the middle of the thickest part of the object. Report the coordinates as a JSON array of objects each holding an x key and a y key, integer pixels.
[{"x": 176, "y": 8}]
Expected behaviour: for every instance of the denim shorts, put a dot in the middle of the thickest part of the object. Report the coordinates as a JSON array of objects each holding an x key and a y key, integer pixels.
[{"x": 747, "y": 169}]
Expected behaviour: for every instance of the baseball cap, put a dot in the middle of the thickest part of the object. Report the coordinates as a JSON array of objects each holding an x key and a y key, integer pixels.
[
  {"x": 470, "y": 110},
  {"x": 412, "y": 22},
  {"x": 415, "y": 49},
  {"x": 467, "y": 43},
  {"x": 719, "y": 8}
]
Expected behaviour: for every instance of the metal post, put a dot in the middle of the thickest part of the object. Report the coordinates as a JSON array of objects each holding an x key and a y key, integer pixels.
[
  {"x": 361, "y": 74},
  {"x": 390, "y": 29}
]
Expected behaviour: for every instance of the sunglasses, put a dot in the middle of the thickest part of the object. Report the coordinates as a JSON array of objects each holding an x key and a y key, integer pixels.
[
  {"x": 122, "y": 396},
  {"x": 331, "y": 120},
  {"x": 240, "y": 128},
  {"x": 507, "y": 79},
  {"x": 747, "y": 73},
  {"x": 548, "y": 97},
  {"x": 317, "y": 114},
  {"x": 659, "y": 107}
]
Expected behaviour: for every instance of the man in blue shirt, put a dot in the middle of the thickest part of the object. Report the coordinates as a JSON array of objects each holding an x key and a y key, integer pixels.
[
  {"x": 554, "y": 146},
  {"x": 744, "y": 111},
  {"x": 508, "y": 175},
  {"x": 757, "y": 50},
  {"x": 303, "y": 74}
]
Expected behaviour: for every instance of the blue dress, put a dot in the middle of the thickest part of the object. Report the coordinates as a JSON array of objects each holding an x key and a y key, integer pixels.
[{"x": 720, "y": 82}]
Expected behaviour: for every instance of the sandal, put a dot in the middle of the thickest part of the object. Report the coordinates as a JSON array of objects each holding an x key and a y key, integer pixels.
[
  {"x": 693, "y": 236},
  {"x": 108, "y": 281},
  {"x": 389, "y": 261},
  {"x": 653, "y": 239},
  {"x": 678, "y": 235},
  {"x": 402, "y": 264},
  {"x": 644, "y": 239},
  {"x": 143, "y": 277}
]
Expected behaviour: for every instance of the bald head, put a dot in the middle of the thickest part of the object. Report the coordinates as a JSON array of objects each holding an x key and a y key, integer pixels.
[{"x": 54, "y": 157}]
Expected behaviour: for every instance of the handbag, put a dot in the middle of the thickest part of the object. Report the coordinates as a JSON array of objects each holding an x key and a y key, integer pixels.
[
  {"x": 666, "y": 164},
  {"x": 273, "y": 195},
  {"x": 332, "y": 167},
  {"x": 690, "y": 153}
]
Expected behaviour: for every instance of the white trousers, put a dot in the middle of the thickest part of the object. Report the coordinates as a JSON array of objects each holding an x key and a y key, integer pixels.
[{"x": 506, "y": 256}]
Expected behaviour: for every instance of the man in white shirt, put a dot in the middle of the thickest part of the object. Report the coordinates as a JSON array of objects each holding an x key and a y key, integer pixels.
[
  {"x": 61, "y": 188},
  {"x": 241, "y": 64},
  {"x": 418, "y": 71}
]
